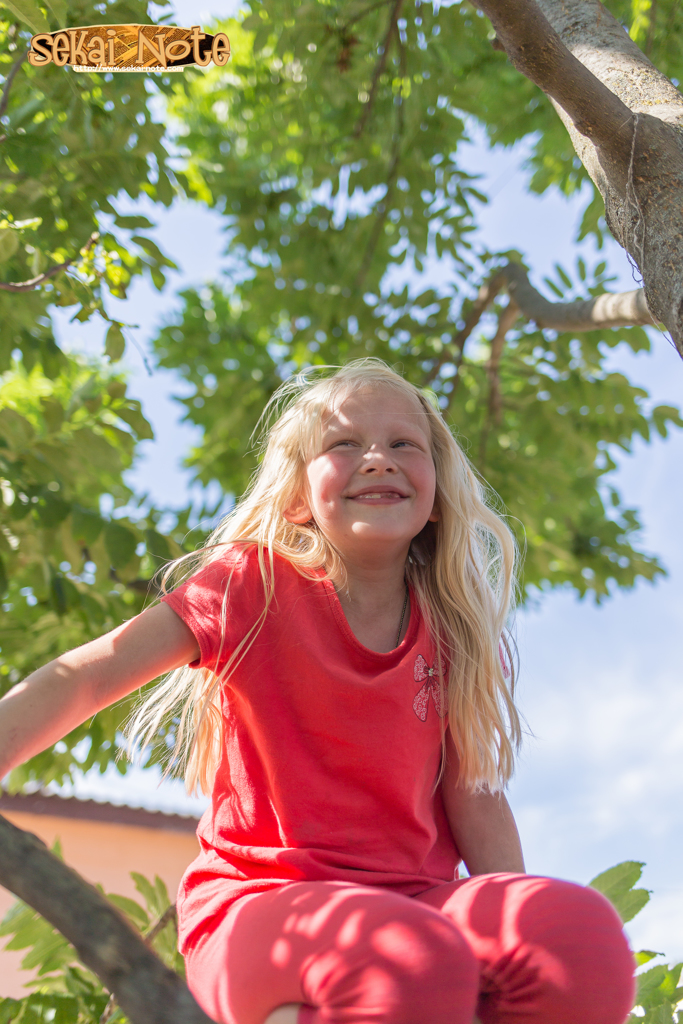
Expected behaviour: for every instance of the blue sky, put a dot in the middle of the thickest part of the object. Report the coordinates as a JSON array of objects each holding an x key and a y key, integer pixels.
[{"x": 601, "y": 777}]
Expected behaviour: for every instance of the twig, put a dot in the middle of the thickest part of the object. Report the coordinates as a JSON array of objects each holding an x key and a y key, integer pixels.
[
  {"x": 4, "y": 99},
  {"x": 170, "y": 914},
  {"x": 495, "y": 403},
  {"x": 382, "y": 214},
  {"x": 379, "y": 68},
  {"x": 147, "y": 991},
  {"x": 487, "y": 293},
  {"x": 35, "y": 282}
]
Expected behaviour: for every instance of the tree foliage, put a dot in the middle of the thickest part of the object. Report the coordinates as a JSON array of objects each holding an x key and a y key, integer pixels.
[{"x": 332, "y": 147}]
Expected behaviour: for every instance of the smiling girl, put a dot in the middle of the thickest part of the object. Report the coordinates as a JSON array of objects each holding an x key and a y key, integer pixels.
[{"x": 343, "y": 689}]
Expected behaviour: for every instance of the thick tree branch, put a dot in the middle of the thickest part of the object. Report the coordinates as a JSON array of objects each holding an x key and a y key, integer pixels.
[
  {"x": 35, "y": 282},
  {"x": 146, "y": 990},
  {"x": 613, "y": 309},
  {"x": 537, "y": 51},
  {"x": 625, "y": 120}
]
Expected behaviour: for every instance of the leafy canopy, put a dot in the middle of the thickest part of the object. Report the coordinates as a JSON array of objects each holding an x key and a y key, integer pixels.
[{"x": 331, "y": 146}]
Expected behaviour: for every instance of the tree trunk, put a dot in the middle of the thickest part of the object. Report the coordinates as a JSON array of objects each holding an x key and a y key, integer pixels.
[{"x": 625, "y": 120}]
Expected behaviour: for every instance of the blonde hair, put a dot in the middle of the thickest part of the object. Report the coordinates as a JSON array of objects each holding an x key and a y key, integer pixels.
[{"x": 461, "y": 568}]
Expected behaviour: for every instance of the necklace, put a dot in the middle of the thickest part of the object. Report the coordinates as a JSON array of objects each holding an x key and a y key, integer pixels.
[{"x": 403, "y": 615}]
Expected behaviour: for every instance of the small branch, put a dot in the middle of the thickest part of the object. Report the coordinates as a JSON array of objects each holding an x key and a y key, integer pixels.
[
  {"x": 494, "y": 411},
  {"x": 506, "y": 322},
  {"x": 146, "y": 990},
  {"x": 170, "y": 914},
  {"x": 379, "y": 68},
  {"x": 35, "y": 282},
  {"x": 382, "y": 215},
  {"x": 487, "y": 293},
  {"x": 4, "y": 98}
]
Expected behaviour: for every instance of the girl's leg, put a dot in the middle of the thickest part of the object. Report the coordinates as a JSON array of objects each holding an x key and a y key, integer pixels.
[
  {"x": 550, "y": 952},
  {"x": 349, "y": 954}
]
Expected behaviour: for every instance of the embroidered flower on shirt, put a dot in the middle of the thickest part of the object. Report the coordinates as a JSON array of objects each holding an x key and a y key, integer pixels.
[{"x": 422, "y": 671}]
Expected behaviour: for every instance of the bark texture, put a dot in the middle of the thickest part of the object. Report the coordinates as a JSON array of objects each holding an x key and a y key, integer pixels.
[
  {"x": 625, "y": 119},
  {"x": 146, "y": 990}
]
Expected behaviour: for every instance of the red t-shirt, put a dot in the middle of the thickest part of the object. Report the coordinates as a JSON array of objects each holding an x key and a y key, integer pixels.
[{"x": 330, "y": 751}]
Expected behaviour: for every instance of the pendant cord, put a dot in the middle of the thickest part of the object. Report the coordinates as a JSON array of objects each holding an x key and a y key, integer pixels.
[{"x": 403, "y": 615}]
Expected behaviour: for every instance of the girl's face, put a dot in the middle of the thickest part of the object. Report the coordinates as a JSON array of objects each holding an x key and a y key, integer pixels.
[{"x": 371, "y": 487}]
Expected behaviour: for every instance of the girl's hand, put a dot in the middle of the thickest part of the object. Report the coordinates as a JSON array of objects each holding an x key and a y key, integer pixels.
[
  {"x": 52, "y": 701},
  {"x": 482, "y": 824}
]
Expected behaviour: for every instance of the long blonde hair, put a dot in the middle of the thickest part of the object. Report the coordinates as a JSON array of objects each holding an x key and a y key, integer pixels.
[{"x": 461, "y": 568}]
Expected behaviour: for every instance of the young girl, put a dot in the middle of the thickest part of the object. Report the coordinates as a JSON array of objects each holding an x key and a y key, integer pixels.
[{"x": 347, "y": 702}]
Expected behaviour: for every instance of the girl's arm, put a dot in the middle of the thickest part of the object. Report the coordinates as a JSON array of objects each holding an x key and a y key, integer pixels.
[
  {"x": 52, "y": 701},
  {"x": 482, "y": 824}
]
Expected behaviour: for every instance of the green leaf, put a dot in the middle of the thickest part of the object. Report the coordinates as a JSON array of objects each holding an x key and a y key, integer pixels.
[
  {"x": 631, "y": 903},
  {"x": 9, "y": 243},
  {"x": 9, "y": 1010},
  {"x": 16, "y": 429},
  {"x": 617, "y": 885},
  {"x": 157, "y": 545},
  {"x": 115, "y": 343},
  {"x": 643, "y": 956},
  {"x": 120, "y": 544},
  {"x": 28, "y": 12},
  {"x": 132, "y": 415},
  {"x": 133, "y": 221},
  {"x": 146, "y": 890},
  {"x": 86, "y": 525},
  {"x": 131, "y": 909},
  {"x": 618, "y": 880},
  {"x": 51, "y": 510},
  {"x": 563, "y": 276}
]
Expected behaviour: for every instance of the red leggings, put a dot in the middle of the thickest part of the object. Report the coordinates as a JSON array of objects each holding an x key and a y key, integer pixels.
[{"x": 512, "y": 949}]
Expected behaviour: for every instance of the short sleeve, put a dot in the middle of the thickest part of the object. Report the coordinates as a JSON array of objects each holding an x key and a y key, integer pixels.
[{"x": 217, "y": 621}]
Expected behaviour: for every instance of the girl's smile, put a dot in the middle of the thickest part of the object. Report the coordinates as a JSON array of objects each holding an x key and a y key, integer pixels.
[{"x": 371, "y": 485}]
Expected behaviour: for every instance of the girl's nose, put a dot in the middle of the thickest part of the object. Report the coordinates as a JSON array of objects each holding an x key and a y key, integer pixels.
[{"x": 377, "y": 458}]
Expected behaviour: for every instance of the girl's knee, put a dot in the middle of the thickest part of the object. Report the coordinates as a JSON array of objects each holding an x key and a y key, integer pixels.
[
  {"x": 585, "y": 965},
  {"x": 396, "y": 962}
]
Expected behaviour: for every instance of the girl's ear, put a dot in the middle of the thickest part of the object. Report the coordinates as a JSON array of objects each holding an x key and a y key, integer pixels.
[
  {"x": 300, "y": 513},
  {"x": 434, "y": 515}
]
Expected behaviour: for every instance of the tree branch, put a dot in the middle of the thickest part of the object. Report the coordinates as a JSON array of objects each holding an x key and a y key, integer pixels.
[
  {"x": 379, "y": 68},
  {"x": 4, "y": 99},
  {"x": 35, "y": 282},
  {"x": 613, "y": 309},
  {"x": 147, "y": 991},
  {"x": 624, "y": 118},
  {"x": 537, "y": 51}
]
